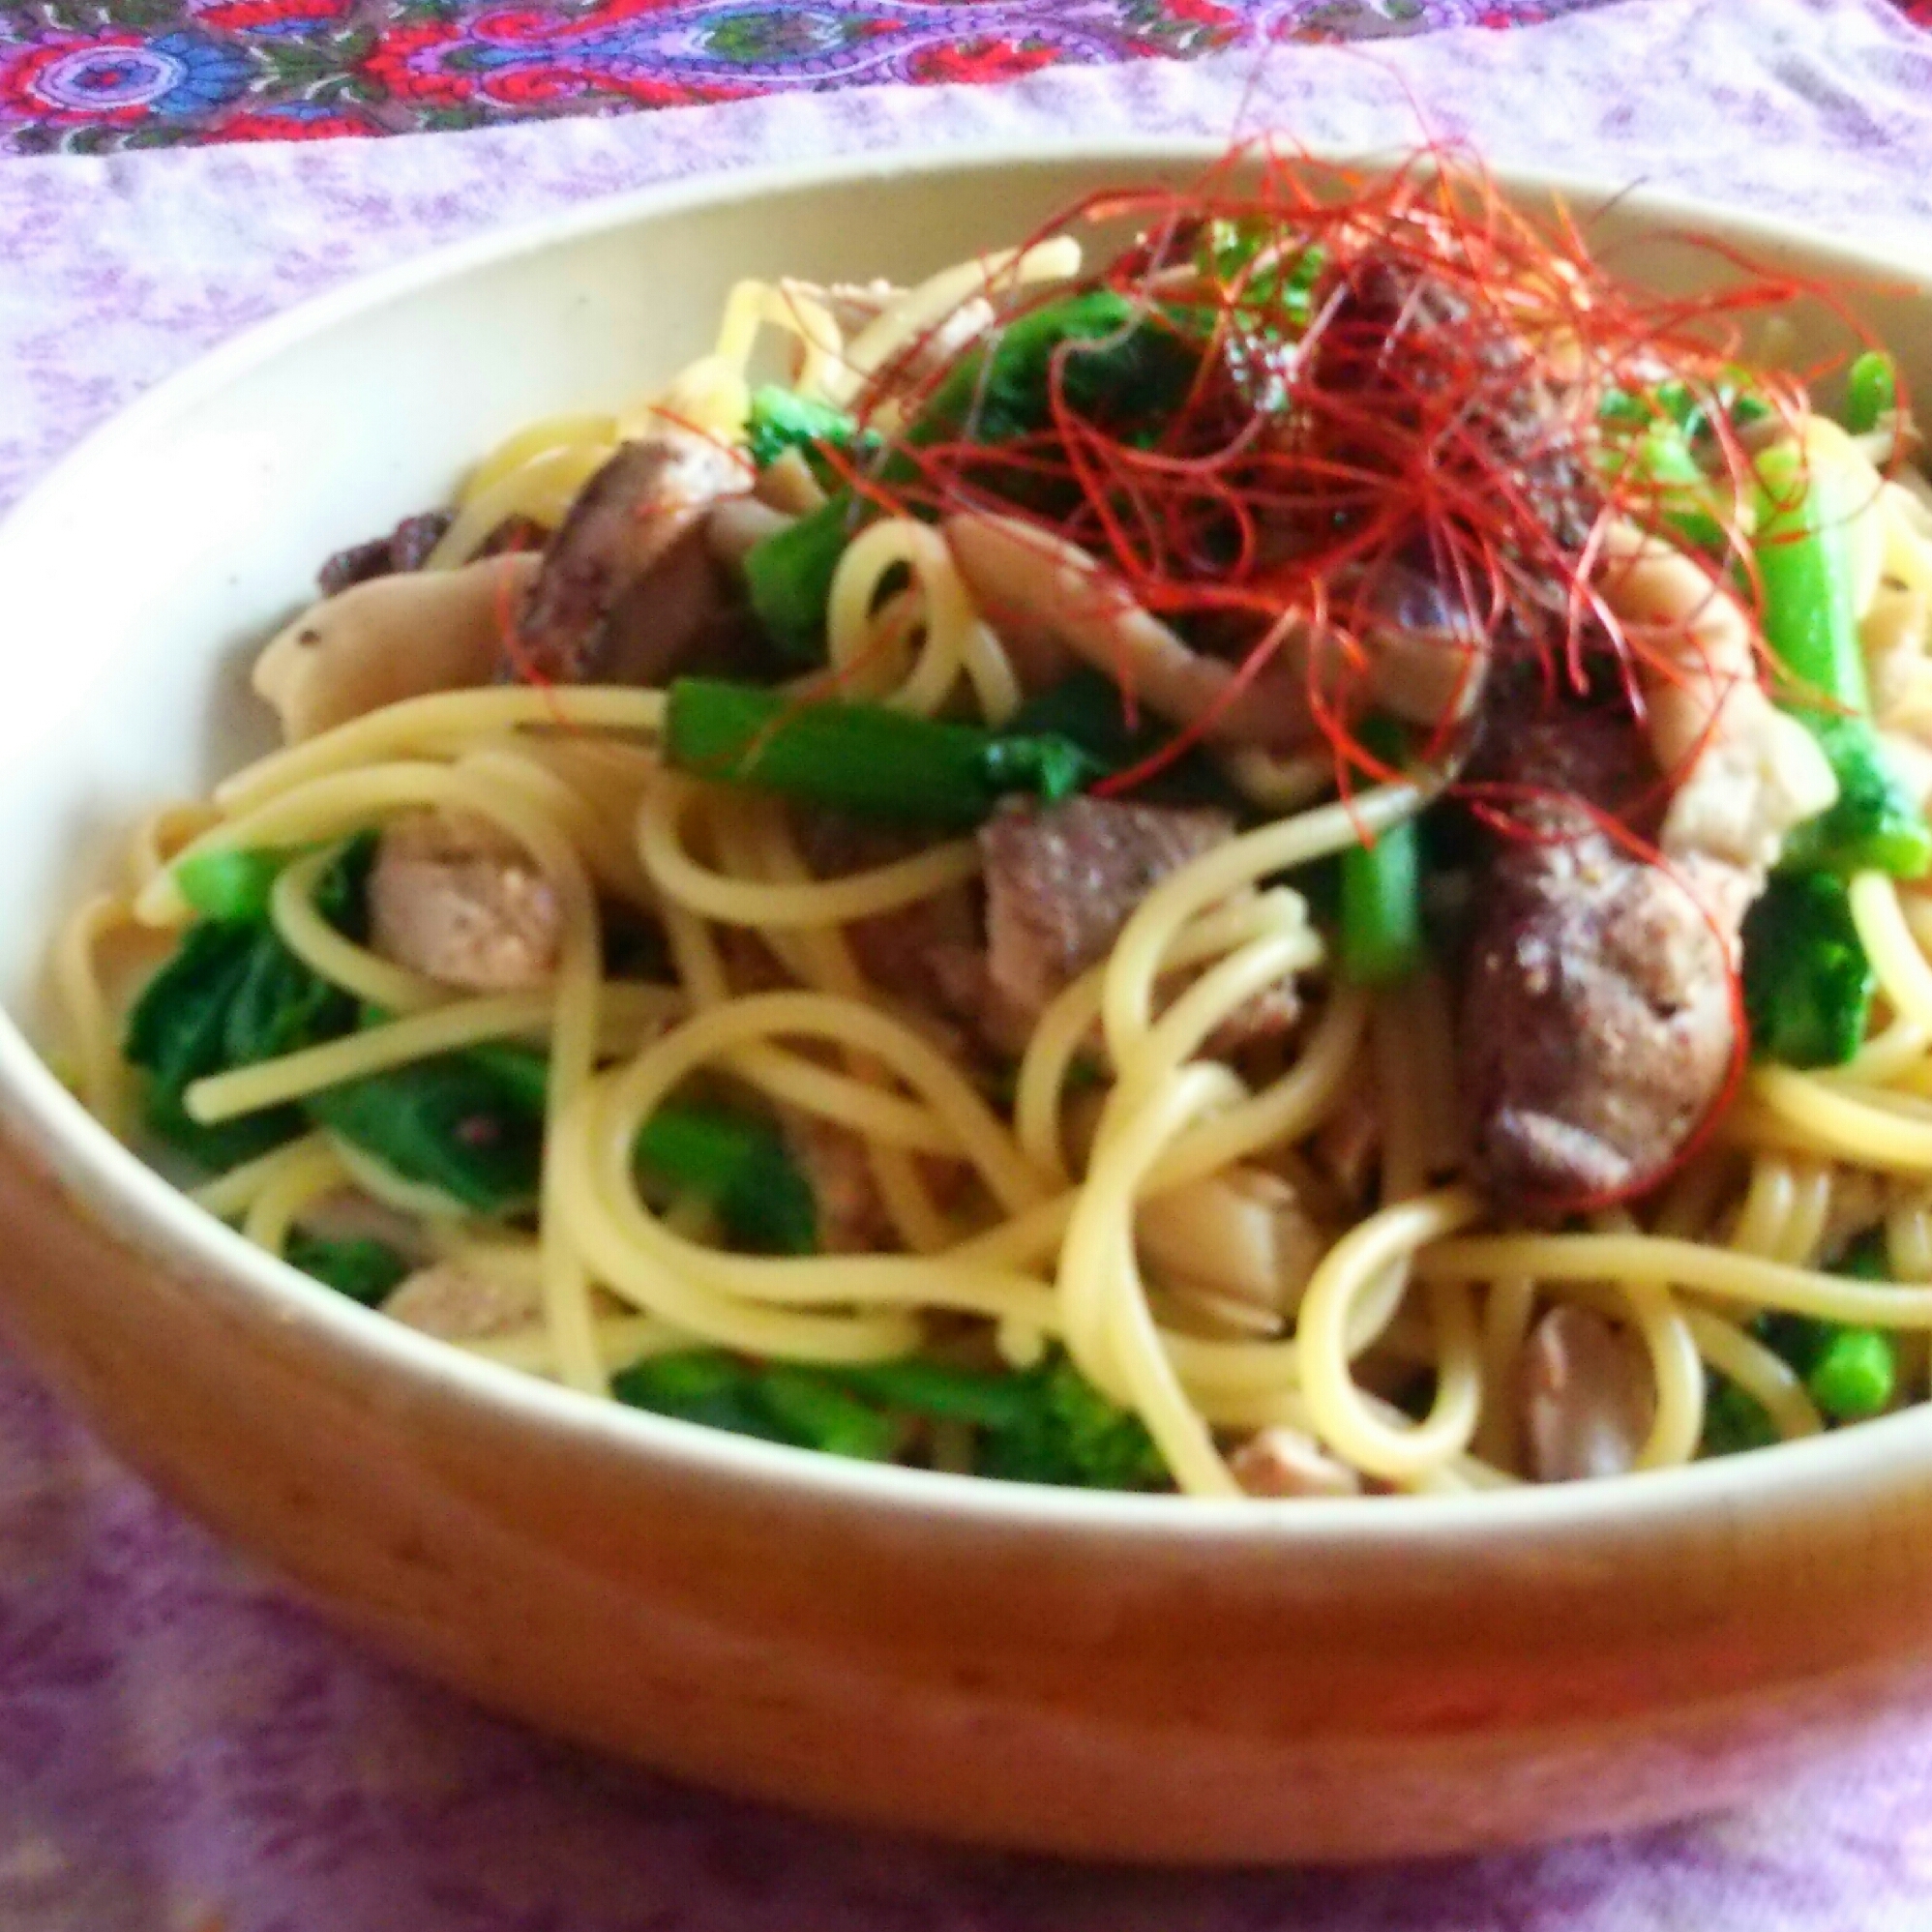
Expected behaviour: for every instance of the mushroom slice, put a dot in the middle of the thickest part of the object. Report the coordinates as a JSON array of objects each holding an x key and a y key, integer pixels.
[
  {"x": 629, "y": 583},
  {"x": 1243, "y": 1233},
  {"x": 1588, "y": 1401},
  {"x": 1284, "y": 1462},
  {"x": 395, "y": 637}
]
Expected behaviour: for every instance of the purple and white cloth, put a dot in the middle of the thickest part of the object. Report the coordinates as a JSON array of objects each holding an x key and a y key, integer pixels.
[{"x": 184, "y": 1749}]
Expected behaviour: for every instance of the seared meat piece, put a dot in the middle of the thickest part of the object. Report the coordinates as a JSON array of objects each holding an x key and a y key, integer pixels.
[
  {"x": 1586, "y": 1395},
  {"x": 906, "y": 954},
  {"x": 454, "y": 900},
  {"x": 629, "y": 585},
  {"x": 1597, "y": 1026},
  {"x": 407, "y": 547},
  {"x": 1061, "y": 883},
  {"x": 1418, "y": 371}
]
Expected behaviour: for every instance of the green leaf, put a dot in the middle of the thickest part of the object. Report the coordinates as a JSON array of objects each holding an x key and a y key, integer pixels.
[
  {"x": 231, "y": 995},
  {"x": 1871, "y": 391},
  {"x": 1044, "y": 1425},
  {"x": 803, "y": 1407},
  {"x": 365, "y": 1269},
  {"x": 1070, "y": 1436},
  {"x": 448, "y": 1123},
  {"x": 866, "y": 760},
  {"x": 1085, "y": 708},
  {"x": 739, "y": 1164},
  {"x": 178, "y": 1032},
  {"x": 1733, "y": 1422},
  {"x": 781, "y": 420},
  {"x": 1876, "y": 823}
]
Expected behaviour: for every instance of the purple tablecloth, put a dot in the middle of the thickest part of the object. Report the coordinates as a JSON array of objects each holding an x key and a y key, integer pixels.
[{"x": 180, "y": 1747}]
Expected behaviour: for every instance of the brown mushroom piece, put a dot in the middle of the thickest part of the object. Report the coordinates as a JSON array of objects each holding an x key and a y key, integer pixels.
[
  {"x": 630, "y": 588},
  {"x": 402, "y": 634},
  {"x": 1280, "y": 1462},
  {"x": 1245, "y": 1233},
  {"x": 1587, "y": 1398}
]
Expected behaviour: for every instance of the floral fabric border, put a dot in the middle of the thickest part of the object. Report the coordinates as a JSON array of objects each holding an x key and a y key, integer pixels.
[{"x": 91, "y": 77}]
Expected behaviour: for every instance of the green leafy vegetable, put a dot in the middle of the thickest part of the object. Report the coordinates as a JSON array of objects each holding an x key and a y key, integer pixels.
[
  {"x": 364, "y": 1269},
  {"x": 1087, "y": 708},
  {"x": 862, "y": 759},
  {"x": 1854, "y": 1374},
  {"x": 1655, "y": 464},
  {"x": 1733, "y": 1420},
  {"x": 1803, "y": 560},
  {"x": 781, "y": 420},
  {"x": 448, "y": 1123},
  {"x": 177, "y": 1034},
  {"x": 1876, "y": 823},
  {"x": 739, "y": 1164},
  {"x": 1848, "y": 1371},
  {"x": 789, "y": 576},
  {"x": 523, "y": 1072},
  {"x": 1278, "y": 294},
  {"x": 233, "y": 995},
  {"x": 1117, "y": 367},
  {"x": 1070, "y": 1436},
  {"x": 825, "y": 1417},
  {"x": 1808, "y": 986},
  {"x": 703, "y": 1386},
  {"x": 943, "y": 1393},
  {"x": 803, "y": 1408},
  {"x": 1046, "y": 1424},
  {"x": 229, "y": 885},
  {"x": 1866, "y": 1259}
]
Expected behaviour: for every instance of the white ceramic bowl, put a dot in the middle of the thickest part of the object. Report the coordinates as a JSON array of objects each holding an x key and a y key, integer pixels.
[{"x": 1135, "y": 1677}]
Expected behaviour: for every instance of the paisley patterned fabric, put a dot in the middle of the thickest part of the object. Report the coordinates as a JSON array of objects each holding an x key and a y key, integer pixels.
[
  {"x": 93, "y": 76},
  {"x": 185, "y": 1749}
]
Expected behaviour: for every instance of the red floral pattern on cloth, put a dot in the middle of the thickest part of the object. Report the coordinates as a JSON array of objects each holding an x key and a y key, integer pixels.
[{"x": 96, "y": 75}]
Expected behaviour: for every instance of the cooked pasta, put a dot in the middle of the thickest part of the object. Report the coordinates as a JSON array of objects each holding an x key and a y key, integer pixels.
[{"x": 1183, "y": 874}]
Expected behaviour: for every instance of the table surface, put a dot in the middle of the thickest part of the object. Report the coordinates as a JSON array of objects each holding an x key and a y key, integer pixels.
[{"x": 182, "y": 1746}]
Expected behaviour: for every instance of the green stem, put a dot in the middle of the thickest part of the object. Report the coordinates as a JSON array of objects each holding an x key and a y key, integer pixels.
[
  {"x": 862, "y": 759},
  {"x": 1382, "y": 896}
]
